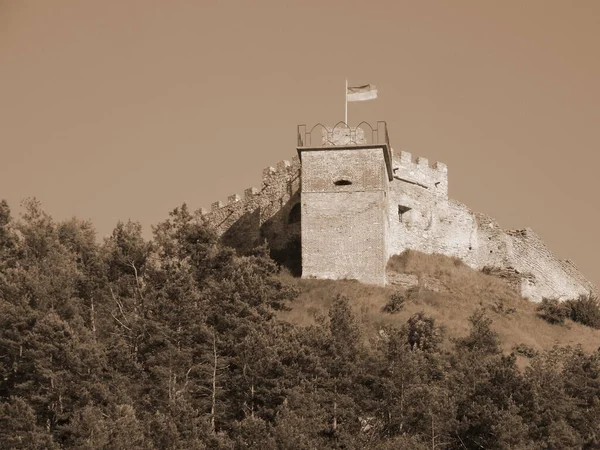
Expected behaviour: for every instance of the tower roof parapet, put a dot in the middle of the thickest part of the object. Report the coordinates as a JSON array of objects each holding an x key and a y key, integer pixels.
[{"x": 342, "y": 136}]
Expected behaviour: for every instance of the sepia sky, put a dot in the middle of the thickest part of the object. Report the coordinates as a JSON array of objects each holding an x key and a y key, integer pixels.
[{"x": 121, "y": 109}]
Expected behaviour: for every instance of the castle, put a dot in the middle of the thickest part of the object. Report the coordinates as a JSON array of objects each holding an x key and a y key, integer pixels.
[{"x": 345, "y": 204}]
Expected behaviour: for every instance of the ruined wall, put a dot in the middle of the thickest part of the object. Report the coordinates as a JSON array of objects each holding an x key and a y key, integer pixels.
[
  {"x": 344, "y": 214},
  {"x": 432, "y": 223},
  {"x": 263, "y": 214},
  {"x": 421, "y": 216},
  {"x": 542, "y": 274}
]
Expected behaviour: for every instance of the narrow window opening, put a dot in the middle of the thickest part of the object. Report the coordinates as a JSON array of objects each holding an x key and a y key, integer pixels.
[
  {"x": 402, "y": 210},
  {"x": 342, "y": 182}
]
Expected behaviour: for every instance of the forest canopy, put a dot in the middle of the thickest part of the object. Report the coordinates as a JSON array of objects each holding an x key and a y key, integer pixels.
[{"x": 176, "y": 343}]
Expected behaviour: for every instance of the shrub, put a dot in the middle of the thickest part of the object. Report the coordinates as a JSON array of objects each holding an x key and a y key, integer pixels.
[
  {"x": 553, "y": 311},
  {"x": 395, "y": 303},
  {"x": 585, "y": 310},
  {"x": 500, "y": 308},
  {"x": 423, "y": 334},
  {"x": 481, "y": 338},
  {"x": 525, "y": 350}
]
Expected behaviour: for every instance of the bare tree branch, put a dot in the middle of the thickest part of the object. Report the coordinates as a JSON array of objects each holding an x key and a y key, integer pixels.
[
  {"x": 120, "y": 305},
  {"x": 121, "y": 323}
]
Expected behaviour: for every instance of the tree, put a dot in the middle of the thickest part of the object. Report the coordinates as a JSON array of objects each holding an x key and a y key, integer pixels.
[
  {"x": 422, "y": 332},
  {"x": 481, "y": 338},
  {"x": 19, "y": 428},
  {"x": 552, "y": 411},
  {"x": 8, "y": 238},
  {"x": 344, "y": 329},
  {"x": 585, "y": 310},
  {"x": 553, "y": 311}
]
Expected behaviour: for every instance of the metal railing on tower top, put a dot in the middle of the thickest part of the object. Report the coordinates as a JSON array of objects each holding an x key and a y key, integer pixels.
[{"x": 343, "y": 135}]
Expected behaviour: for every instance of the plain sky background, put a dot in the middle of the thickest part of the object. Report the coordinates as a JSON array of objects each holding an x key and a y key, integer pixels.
[{"x": 120, "y": 109}]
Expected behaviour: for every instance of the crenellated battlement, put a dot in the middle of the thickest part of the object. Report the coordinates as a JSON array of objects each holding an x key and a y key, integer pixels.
[
  {"x": 285, "y": 169},
  {"x": 233, "y": 199},
  {"x": 250, "y": 193},
  {"x": 406, "y": 159},
  {"x": 268, "y": 171},
  {"x": 420, "y": 172},
  {"x": 279, "y": 183}
]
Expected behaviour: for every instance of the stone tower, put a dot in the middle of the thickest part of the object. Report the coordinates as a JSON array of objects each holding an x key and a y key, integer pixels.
[{"x": 345, "y": 188}]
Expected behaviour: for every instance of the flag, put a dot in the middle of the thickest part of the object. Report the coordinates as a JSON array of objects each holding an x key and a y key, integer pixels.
[{"x": 361, "y": 93}]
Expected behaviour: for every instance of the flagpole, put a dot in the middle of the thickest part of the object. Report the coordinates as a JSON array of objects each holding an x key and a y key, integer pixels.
[{"x": 346, "y": 104}]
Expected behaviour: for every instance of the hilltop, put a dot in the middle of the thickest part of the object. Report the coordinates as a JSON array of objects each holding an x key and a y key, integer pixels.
[{"x": 449, "y": 291}]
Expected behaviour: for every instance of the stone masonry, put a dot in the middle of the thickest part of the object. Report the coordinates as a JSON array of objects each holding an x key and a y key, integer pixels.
[{"x": 350, "y": 205}]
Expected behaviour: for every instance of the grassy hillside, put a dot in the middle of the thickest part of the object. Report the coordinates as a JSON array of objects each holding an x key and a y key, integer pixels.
[{"x": 461, "y": 290}]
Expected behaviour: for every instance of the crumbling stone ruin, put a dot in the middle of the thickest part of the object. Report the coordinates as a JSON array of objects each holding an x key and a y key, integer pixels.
[{"x": 347, "y": 203}]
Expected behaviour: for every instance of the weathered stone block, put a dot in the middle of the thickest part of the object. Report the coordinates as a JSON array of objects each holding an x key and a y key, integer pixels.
[
  {"x": 233, "y": 199},
  {"x": 250, "y": 193}
]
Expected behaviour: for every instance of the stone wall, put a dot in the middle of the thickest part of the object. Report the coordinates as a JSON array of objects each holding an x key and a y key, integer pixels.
[
  {"x": 552, "y": 278},
  {"x": 421, "y": 216},
  {"x": 262, "y": 215},
  {"x": 433, "y": 178}
]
